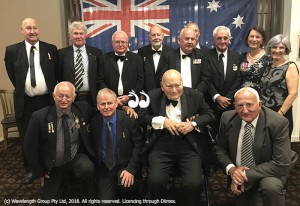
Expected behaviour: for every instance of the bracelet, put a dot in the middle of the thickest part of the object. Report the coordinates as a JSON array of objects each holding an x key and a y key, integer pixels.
[{"x": 281, "y": 111}]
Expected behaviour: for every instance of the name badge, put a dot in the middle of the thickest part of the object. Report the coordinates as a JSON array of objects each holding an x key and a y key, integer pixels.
[
  {"x": 234, "y": 67},
  {"x": 197, "y": 61}
]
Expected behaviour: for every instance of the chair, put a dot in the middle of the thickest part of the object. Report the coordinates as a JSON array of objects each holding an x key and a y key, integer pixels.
[{"x": 9, "y": 120}]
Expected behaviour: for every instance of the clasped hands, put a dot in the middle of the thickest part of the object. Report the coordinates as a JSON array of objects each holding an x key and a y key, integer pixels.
[
  {"x": 223, "y": 102},
  {"x": 239, "y": 179},
  {"x": 177, "y": 128}
]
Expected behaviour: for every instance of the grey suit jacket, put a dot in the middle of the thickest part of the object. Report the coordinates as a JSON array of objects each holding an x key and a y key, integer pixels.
[{"x": 272, "y": 147}]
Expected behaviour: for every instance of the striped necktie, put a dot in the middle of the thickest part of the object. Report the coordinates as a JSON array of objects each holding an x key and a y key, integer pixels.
[{"x": 78, "y": 70}]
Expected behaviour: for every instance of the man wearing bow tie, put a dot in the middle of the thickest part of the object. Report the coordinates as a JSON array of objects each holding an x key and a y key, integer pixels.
[
  {"x": 190, "y": 62},
  {"x": 226, "y": 79},
  {"x": 121, "y": 70},
  {"x": 176, "y": 137},
  {"x": 79, "y": 64},
  {"x": 152, "y": 61}
]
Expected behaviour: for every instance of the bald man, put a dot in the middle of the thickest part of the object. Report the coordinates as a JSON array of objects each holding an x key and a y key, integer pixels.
[
  {"x": 30, "y": 66},
  {"x": 176, "y": 116},
  {"x": 152, "y": 61},
  {"x": 195, "y": 27}
]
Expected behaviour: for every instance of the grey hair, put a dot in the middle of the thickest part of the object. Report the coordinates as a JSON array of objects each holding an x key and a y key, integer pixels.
[
  {"x": 118, "y": 32},
  {"x": 279, "y": 38},
  {"x": 106, "y": 91},
  {"x": 77, "y": 25},
  {"x": 65, "y": 83},
  {"x": 249, "y": 89},
  {"x": 221, "y": 28}
]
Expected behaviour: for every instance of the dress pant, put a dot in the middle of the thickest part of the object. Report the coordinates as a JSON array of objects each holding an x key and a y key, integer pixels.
[
  {"x": 269, "y": 192},
  {"x": 80, "y": 168},
  {"x": 170, "y": 150},
  {"x": 31, "y": 104}
]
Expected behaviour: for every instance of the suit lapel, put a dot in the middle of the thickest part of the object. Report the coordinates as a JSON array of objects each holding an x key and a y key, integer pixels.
[
  {"x": 178, "y": 60},
  {"x": 98, "y": 134},
  {"x": 259, "y": 137},
  {"x": 183, "y": 107},
  {"x": 229, "y": 65},
  {"x": 119, "y": 129},
  {"x": 125, "y": 64},
  {"x": 234, "y": 130},
  {"x": 51, "y": 120},
  {"x": 194, "y": 75},
  {"x": 23, "y": 54},
  {"x": 215, "y": 61},
  {"x": 113, "y": 62},
  {"x": 149, "y": 56}
]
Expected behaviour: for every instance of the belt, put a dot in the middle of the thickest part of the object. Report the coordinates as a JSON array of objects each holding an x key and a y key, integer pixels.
[{"x": 82, "y": 94}]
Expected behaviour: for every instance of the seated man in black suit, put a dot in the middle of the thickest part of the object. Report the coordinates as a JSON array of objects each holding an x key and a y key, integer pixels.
[
  {"x": 189, "y": 61},
  {"x": 58, "y": 142},
  {"x": 152, "y": 61},
  {"x": 254, "y": 148},
  {"x": 177, "y": 116},
  {"x": 118, "y": 142}
]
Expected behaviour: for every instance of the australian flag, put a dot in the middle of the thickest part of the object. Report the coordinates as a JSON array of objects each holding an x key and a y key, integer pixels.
[{"x": 136, "y": 17}]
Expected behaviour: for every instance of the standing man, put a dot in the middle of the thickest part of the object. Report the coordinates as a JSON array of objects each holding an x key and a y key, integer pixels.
[
  {"x": 152, "y": 61},
  {"x": 79, "y": 64},
  {"x": 121, "y": 70},
  {"x": 253, "y": 146},
  {"x": 58, "y": 142},
  {"x": 224, "y": 66},
  {"x": 194, "y": 26},
  {"x": 177, "y": 116},
  {"x": 118, "y": 142},
  {"x": 190, "y": 62},
  {"x": 30, "y": 66}
]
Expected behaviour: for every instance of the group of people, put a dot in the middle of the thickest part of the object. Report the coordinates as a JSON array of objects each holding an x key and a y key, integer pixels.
[{"x": 74, "y": 119}]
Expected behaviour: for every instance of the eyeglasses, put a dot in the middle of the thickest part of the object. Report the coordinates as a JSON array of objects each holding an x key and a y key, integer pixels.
[
  {"x": 61, "y": 97},
  {"x": 120, "y": 42}
]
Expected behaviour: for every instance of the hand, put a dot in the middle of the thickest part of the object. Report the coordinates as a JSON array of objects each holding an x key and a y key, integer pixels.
[
  {"x": 171, "y": 126},
  {"x": 238, "y": 175},
  {"x": 124, "y": 99},
  {"x": 223, "y": 102},
  {"x": 236, "y": 189},
  {"x": 127, "y": 179},
  {"x": 130, "y": 111},
  {"x": 185, "y": 127}
]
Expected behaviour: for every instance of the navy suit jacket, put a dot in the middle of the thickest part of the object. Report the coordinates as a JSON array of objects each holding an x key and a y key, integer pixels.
[
  {"x": 66, "y": 71},
  {"x": 16, "y": 63},
  {"x": 200, "y": 70},
  {"x": 40, "y": 142},
  {"x": 132, "y": 73},
  {"x": 152, "y": 79},
  {"x": 129, "y": 141}
]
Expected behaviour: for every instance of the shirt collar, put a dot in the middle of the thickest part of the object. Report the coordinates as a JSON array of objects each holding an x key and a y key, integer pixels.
[
  {"x": 28, "y": 45},
  {"x": 225, "y": 53},
  {"x": 254, "y": 122},
  {"x": 112, "y": 120},
  {"x": 60, "y": 113},
  {"x": 159, "y": 49},
  {"x": 82, "y": 49}
]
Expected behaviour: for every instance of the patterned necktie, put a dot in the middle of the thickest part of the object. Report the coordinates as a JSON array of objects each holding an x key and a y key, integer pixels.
[
  {"x": 247, "y": 157},
  {"x": 32, "y": 69},
  {"x": 78, "y": 70},
  {"x": 221, "y": 63},
  {"x": 67, "y": 138},
  {"x": 110, "y": 160}
]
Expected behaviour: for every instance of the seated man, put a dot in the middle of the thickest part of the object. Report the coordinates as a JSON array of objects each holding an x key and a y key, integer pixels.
[
  {"x": 58, "y": 142},
  {"x": 253, "y": 146},
  {"x": 176, "y": 114},
  {"x": 118, "y": 142}
]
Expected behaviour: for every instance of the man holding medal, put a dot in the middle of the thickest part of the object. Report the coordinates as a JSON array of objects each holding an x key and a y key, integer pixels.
[{"x": 57, "y": 144}]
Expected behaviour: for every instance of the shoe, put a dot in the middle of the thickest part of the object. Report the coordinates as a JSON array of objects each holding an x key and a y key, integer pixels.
[{"x": 28, "y": 179}]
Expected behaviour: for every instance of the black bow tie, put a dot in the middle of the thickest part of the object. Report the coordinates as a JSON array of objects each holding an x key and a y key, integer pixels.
[
  {"x": 122, "y": 58},
  {"x": 170, "y": 101},
  {"x": 187, "y": 55},
  {"x": 156, "y": 51}
]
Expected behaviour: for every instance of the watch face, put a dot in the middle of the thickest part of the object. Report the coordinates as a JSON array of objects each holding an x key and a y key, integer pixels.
[{"x": 194, "y": 124}]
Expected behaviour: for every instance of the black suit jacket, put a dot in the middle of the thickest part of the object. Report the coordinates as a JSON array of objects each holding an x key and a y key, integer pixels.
[
  {"x": 129, "y": 141},
  {"x": 66, "y": 71},
  {"x": 16, "y": 63},
  {"x": 192, "y": 104},
  {"x": 200, "y": 70},
  {"x": 152, "y": 79},
  {"x": 272, "y": 147},
  {"x": 132, "y": 73},
  {"x": 232, "y": 82},
  {"x": 40, "y": 143}
]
